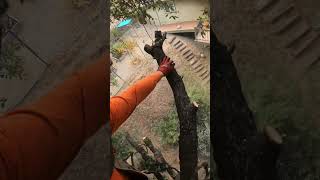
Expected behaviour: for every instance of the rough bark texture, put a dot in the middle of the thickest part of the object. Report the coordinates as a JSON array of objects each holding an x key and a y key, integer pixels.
[
  {"x": 188, "y": 141},
  {"x": 240, "y": 152}
]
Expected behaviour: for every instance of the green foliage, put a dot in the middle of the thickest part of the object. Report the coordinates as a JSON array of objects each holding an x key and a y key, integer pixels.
[
  {"x": 168, "y": 129},
  {"x": 137, "y": 9},
  {"x": 205, "y": 15},
  {"x": 280, "y": 106},
  {"x": 204, "y": 20},
  {"x": 121, "y": 145},
  {"x": 11, "y": 62},
  {"x": 114, "y": 81},
  {"x": 153, "y": 166},
  {"x": 119, "y": 48},
  {"x": 116, "y": 34}
]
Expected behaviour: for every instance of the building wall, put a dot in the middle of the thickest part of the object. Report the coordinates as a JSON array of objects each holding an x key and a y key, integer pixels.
[{"x": 188, "y": 10}]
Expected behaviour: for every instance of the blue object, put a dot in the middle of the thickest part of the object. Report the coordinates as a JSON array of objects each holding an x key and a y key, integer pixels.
[{"x": 124, "y": 23}]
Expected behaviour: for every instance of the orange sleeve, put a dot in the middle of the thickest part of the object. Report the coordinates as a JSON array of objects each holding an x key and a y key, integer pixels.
[
  {"x": 123, "y": 105},
  {"x": 38, "y": 141},
  {"x": 116, "y": 175}
]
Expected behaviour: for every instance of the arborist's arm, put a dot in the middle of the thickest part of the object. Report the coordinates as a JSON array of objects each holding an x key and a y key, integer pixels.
[
  {"x": 123, "y": 105},
  {"x": 39, "y": 141}
]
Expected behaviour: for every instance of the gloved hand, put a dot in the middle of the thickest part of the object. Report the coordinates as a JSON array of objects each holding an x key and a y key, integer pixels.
[{"x": 166, "y": 66}]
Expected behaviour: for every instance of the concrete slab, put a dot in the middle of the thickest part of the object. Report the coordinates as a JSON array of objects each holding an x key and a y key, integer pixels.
[{"x": 180, "y": 27}]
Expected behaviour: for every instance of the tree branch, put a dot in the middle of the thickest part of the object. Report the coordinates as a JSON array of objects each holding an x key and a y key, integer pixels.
[
  {"x": 188, "y": 140},
  {"x": 159, "y": 157},
  {"x": 144, "y": 155}
]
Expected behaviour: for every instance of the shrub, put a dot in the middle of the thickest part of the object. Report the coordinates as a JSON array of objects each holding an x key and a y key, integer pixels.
[
  {"x": 121, "y": 145},
  {"x": 114, "y": 81},
  {"x": 168, "y": 129},
  {"x": 116, "y": 32},
  {"x": 11, "y": 62},
  {"x": 119, "y": 48},
  {"x": 129, "y": 44}
]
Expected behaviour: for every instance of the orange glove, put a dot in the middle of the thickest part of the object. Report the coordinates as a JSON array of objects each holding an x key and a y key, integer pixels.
[{"x": 166, "y": 66}]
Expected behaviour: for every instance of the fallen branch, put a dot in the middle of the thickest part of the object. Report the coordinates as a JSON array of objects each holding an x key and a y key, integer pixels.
[
  {"x": 159, "y": 157},
  {"x": 148, "y": 159},
  {"x": 188, "y": 140}
]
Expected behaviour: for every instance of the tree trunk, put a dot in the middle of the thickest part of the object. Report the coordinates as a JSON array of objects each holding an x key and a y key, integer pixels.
[
  {"x": 187, "y": 114},
  {"x": 240, "y": 152}
]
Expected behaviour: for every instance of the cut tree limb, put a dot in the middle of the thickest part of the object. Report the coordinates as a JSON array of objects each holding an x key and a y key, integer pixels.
[
  {"x": 188, "y": 140},
  {"x": 239, "y": 150},
  {"x": 159, "y": 157},
  {"x": 144, "y": 154}
]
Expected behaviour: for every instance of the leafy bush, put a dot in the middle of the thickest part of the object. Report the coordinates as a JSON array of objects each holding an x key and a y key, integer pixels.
[
  {"x": 121, "y": 145},
  {"x": 119, "y": 48},
  {"x": 116, "y": 34},
  {"x": 11, "y": 62},
  {"x": 168, "y": 129},
  {"x": 114, "y": 81}
]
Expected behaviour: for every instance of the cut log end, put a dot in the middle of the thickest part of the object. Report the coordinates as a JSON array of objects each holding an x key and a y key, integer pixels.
[
  {"x": 195, "y": 104},
  {"x": 273, "y": 135}
]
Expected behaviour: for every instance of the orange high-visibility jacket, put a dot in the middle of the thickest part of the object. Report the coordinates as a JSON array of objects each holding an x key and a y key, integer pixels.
[{"x": 38, "y": 141}]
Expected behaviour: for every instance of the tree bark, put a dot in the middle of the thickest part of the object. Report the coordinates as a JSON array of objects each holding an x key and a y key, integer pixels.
[
  {"x": 239, "y": 150},
  {"x": 187, "y": 114}
]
